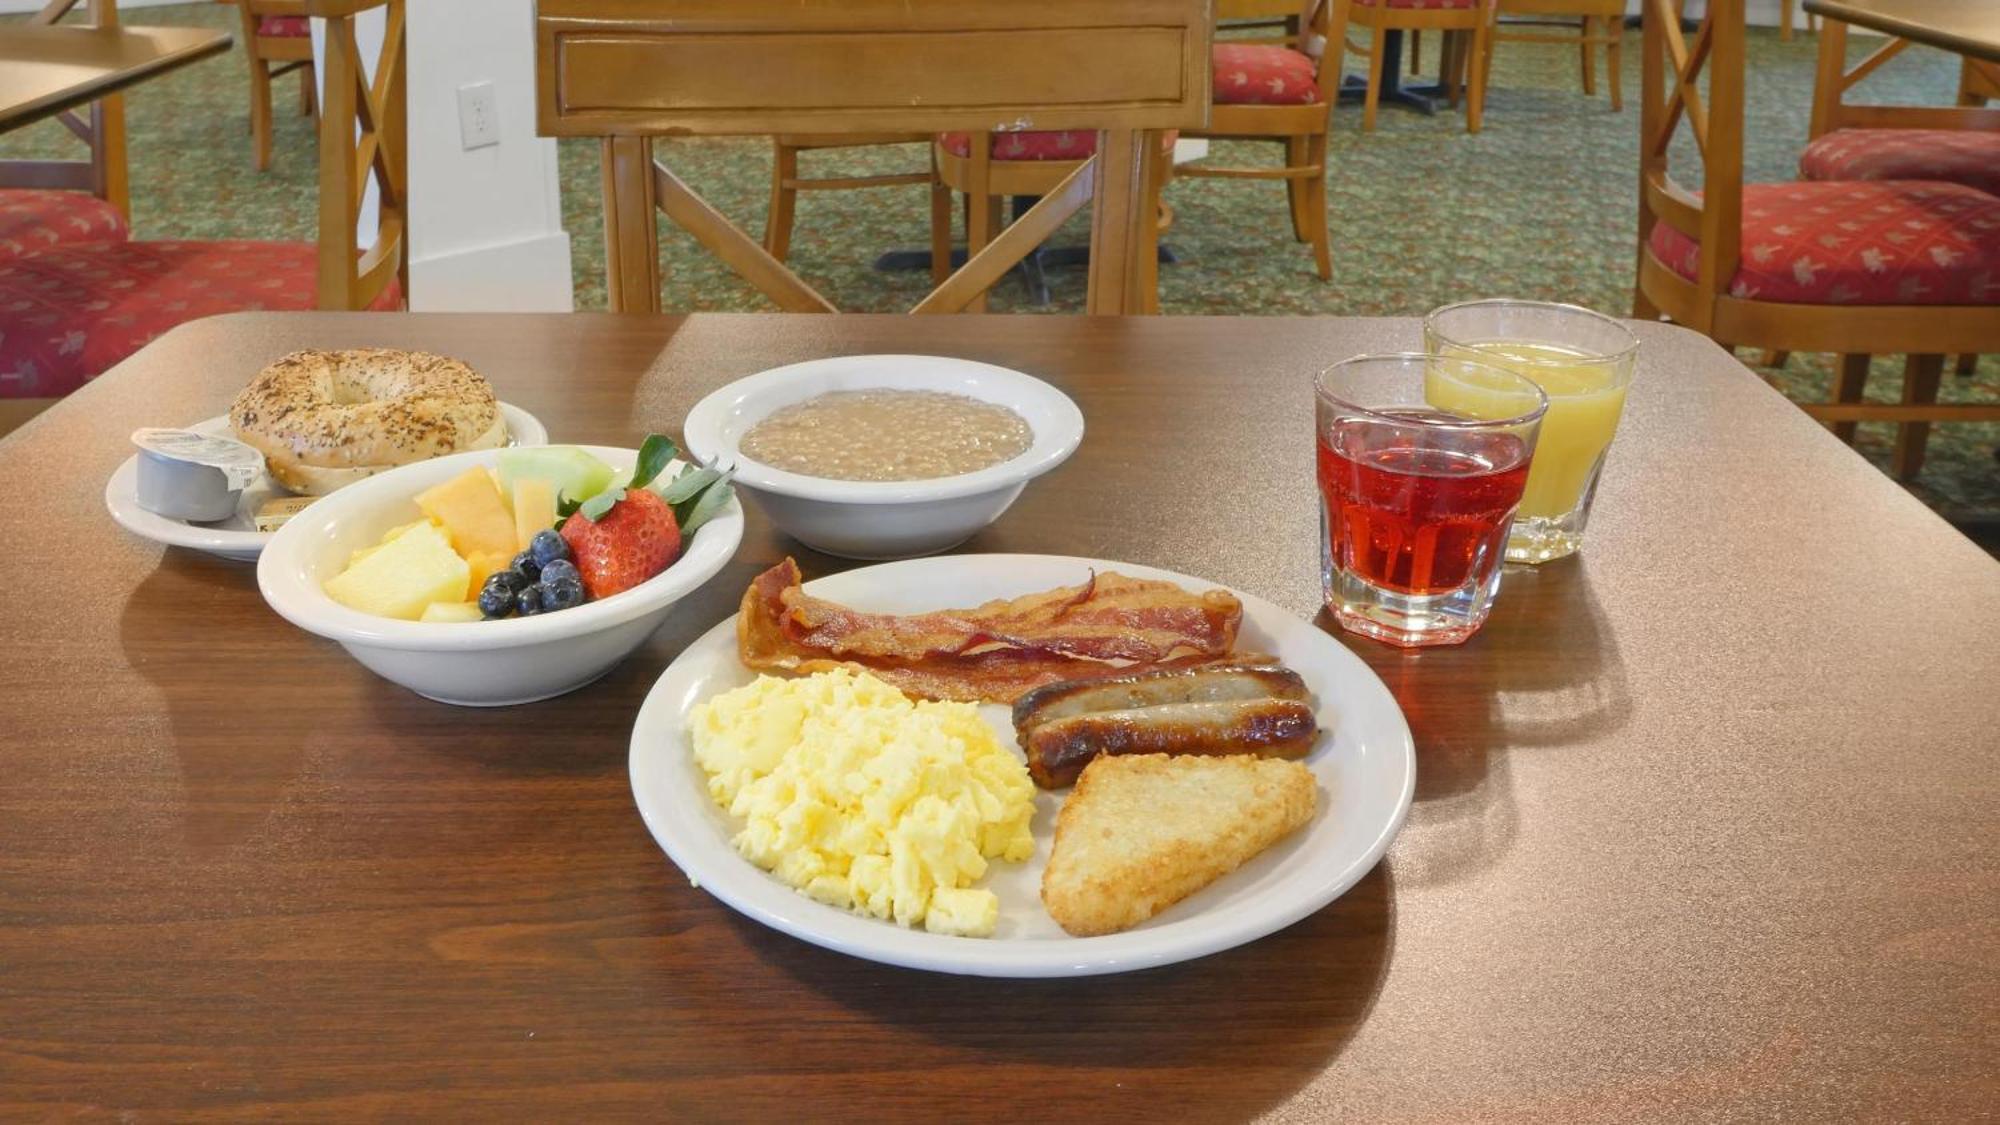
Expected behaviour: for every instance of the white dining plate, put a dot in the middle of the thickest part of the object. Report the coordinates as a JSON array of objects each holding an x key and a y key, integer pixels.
[
  {"x": 1365, "y": 764},
  {"x": 237, "y": 537}
]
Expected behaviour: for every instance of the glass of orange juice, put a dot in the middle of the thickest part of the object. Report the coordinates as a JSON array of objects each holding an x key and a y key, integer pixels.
[{"x": 1583, "y": 361}]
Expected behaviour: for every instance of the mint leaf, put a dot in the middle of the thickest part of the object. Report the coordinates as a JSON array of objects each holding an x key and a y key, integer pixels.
[{"x": 654, "y": 454}]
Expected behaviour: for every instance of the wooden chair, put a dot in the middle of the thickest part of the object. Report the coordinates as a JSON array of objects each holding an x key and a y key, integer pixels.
[
  {"x": 277, "y": 39},
  {"x": 1856, "y": 269},
  {"x": 786, "y": 182},
  {"x": 1280, "y": 93},
  {"x": 987, "y": 168},
  {"x": 1599, "y": 23},
  {"x": 1470, "y": 17},
  {"x": 1849, "y": 141},
  {"x": 46, "y": 204},
  {"x": 69, "y": 314},
  {"x": 1787, "y": 17},
  {"x": 625, "y": 73}
]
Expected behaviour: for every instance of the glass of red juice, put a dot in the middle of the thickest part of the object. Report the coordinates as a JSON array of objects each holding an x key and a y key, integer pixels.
[{"x": 1415, "y": 499}]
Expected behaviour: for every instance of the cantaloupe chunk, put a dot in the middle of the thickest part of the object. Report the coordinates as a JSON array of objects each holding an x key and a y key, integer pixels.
[
  {"x": 483, "y": 566},
  {"x": 452, "y": 612},
  {"x": 534, "y": 509},
  {"x": 469, "y": 507},
  {"x": 404, "y": 576},
  {"x": 506, "y": 497}
]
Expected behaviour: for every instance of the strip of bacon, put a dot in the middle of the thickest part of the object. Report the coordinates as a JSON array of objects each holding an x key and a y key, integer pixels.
[
  {"x": 1109, "y": 625},
  {"x": 1108, "y": 617}
]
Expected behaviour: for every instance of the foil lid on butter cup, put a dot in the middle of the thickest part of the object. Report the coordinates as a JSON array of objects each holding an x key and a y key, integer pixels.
[{"x": 241, "y": 464}]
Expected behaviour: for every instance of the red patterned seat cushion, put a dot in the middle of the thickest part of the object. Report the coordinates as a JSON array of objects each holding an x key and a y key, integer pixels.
[
  {"x": 1959, "y": 156},
  {"x": 68, "y": 315},
  {"x": 1066, "y": 144},
  {"x": 284, "y": 27},
  {"x": 33, "y": 220},
  {"x": 1262, "y": 74},
  {"x": 1895, "y": 242}
]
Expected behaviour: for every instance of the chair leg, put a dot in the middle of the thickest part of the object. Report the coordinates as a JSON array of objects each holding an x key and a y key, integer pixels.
[
  {"x": 940, "y": 230},
  {"x": 1921, "y": 375},
  {"x": 1295, "y": 189},
  {"x": 1589, "y": 59},
  {"x": 1415, "y": 47},
  {"x": 1784, "y": 21},
  {"x": 1848, "y": 381},
  {"x": 260, "y": 115},
  {"x": 979, "y": 224},
  {"x": 1773, "y": 357},
  {"x": 1967, "y": 364},
  {"x": 1316, "y": 206},
  {"x": 1371, "y": 99},
  {"x": 306, "y": 92},
  {"x": 784, "y": 197},
  {"x": 1475, "y": 98},
  {"x": 1614, "y": 57},
  {"x": 1451, "y": 67}
]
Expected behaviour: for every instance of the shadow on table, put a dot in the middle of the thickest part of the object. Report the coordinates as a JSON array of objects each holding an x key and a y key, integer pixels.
[
  {"x": 1253, "y": 1024},
  {"x": 209, "y": 686},
  {"x": 1544, "y": 673}
]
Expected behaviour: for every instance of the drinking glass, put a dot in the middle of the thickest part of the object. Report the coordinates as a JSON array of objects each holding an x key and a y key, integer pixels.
[
  {"x": 1416, "y": 493},
  {"x": 1583, "y": 361}
]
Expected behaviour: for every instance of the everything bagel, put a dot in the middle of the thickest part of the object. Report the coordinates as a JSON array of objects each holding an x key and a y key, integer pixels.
[{"x": 324, "y": 419}]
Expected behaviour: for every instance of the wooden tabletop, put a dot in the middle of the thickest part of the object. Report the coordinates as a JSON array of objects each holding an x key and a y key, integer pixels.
[
  {"x": 1967, "y": 27},
  {"x": 1704, "y": 827},
  {"x": 45, "y": 70}
]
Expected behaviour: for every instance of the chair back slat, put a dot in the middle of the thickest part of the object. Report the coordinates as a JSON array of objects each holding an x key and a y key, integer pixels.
[
  {"x": 362, "y": 140},
  {"x": 632, "y": 70},
  {"x": 1670, "y": 93}
]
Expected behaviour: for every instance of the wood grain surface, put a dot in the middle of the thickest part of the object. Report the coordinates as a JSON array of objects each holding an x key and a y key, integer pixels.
[
  {"x": 1966, "y": 27},
  {"x": 1704, "y": 823},
  {"x": 45, "y": 70}
]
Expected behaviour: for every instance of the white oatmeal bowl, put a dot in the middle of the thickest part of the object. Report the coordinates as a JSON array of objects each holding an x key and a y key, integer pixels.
[{"x": 884, "y": 519}]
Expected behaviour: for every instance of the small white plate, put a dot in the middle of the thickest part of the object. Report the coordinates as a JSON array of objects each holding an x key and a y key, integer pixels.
[
  {"x": 237, "y": 537},
  {"x": 1366, "y": 767}
]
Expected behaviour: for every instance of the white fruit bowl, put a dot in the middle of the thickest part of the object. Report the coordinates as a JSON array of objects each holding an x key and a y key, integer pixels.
[
  {"x": 884, "y": 519},
  {"x": 480, "y": 663}
]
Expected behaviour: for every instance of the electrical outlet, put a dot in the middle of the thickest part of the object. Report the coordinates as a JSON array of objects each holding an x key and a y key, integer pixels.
[{"x": 478, "y": 116}]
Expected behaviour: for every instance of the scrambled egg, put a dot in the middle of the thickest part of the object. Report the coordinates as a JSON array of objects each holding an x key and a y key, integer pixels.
[{"x": 865, "y": 800}]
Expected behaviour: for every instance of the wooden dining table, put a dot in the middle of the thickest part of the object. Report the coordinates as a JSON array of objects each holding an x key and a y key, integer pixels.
[
  {"x": 45, "y": 70},
  {"x": 1965, "y": 27},
  {"x": 1704, "y": 827}
]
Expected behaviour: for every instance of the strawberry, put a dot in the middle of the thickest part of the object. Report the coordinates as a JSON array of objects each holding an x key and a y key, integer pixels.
[{"x": 636, "y": 539}]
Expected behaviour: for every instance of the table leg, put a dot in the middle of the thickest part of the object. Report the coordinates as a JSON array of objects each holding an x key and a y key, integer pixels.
[{"x": 1421, "y": 97}]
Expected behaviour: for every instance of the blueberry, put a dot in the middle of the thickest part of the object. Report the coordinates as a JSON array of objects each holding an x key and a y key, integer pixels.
[
  {"x": 496, "y": 597},
  {"x": 560, "y": 570},
  {"x": 561, "y": 593},
  {"x": 529, "y": 601},
  {"x": 548, "y": 546},
  {"x": 524, "y": 564}
]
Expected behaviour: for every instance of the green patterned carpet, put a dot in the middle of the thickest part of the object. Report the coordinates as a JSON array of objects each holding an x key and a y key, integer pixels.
[{"x": 1541, "y": 204}]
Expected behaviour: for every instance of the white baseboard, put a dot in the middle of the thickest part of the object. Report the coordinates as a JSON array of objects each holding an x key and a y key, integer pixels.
[{"x": 530, "y": 275}]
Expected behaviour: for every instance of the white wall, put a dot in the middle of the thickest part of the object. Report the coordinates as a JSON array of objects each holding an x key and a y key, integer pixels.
[{"x": 486, "y": 224}]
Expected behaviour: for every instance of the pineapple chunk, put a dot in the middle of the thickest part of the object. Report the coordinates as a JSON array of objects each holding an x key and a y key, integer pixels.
[
  {"x": 404, "y": 576},
  {"x": 452, "y": 612},
  {"x": 386, "y": 537},
  {"x": 534, "y": 509},
  {"x": 469, "y": 507}
]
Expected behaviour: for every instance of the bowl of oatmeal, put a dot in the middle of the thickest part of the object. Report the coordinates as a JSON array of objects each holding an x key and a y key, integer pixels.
[{"x": 885, "y": 456}]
